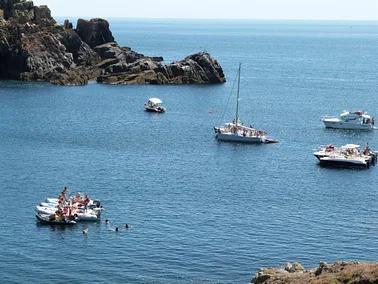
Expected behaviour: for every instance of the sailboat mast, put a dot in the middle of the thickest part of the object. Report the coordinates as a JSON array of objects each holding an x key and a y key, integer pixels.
[{"x": 237, "y": 99}]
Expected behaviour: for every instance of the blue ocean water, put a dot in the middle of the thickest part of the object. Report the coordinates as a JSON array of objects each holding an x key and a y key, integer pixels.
[{"x": 201, "y": 211}]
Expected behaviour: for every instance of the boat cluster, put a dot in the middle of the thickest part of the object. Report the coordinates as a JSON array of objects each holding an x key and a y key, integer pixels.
[
  {"x": 348, "y": 155},
  {"x": 68, "y": 210}
]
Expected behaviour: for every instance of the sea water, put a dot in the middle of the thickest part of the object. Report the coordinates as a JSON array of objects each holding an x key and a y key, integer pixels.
[{"x": 201, "y": 211}]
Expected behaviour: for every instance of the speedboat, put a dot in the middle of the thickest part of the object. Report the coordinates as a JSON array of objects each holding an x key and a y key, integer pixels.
[
  {"x": 347, "y": 150},
  {"x": 346, "y": 156},
  {"x": 153, "y": 105},
  {"x": 330, "y": 150},
  {"x": 53, "y": 219},
  {"x": 350, "y": 120}
]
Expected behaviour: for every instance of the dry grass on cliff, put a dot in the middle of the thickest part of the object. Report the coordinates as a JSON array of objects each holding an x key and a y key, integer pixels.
[{"x": 356, "y": 273}]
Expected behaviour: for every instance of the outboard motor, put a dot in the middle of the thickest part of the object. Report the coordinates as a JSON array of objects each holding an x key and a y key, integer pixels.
[{"x": 96, "y": 204}]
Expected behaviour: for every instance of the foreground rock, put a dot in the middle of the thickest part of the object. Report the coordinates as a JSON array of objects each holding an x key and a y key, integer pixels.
[
  {"x": 34, "y": 47},
  {"x": 339, "y": 272}
]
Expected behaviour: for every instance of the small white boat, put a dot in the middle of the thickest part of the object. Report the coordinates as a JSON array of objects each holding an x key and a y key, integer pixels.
[
  {"x": 79, "y": 214},
  {"x": 52, "y": 219},
  {"x": 154, "y": 105},
  {"x": 350, "y": 120},
  {"x": 237, "y": 132},
  {"x": 94, "y": 205},
  {"x": 52, "y": 200}
]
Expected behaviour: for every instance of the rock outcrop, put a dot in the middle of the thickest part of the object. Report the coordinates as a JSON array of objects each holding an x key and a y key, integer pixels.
[
  {"x": 34, "y": 47},
  {"x": 339, "y": 272},
  {"x": 124, "y": 66}
]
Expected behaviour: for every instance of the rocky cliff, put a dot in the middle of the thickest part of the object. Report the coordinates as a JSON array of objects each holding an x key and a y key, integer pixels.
[
  {"x": 340, "y": 272},
  {"x": 34, "y": 47}
]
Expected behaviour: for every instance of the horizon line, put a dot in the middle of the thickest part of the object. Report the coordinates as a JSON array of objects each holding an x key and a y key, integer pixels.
[{"x": 224, "y": 19}]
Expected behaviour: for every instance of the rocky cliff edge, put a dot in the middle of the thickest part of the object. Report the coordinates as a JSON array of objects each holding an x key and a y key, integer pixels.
[
  {"x": 339, "y": 272},
  {"x": 34, "y": 47}
]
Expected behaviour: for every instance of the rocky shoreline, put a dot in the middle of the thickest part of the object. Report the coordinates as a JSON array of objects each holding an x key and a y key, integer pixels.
[
  {"x": 33, "y": 47},
  {"x": 338, "y": 272}
]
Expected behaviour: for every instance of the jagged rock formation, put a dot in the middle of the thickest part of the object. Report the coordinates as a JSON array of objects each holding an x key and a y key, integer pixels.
[
  {"x": 122, "y": 65},
  {"x": 339, "y": 272},
  {"x": 34, "y": 47}
]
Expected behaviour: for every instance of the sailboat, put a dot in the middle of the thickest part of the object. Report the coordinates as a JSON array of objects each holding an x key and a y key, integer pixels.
[{"x": 236, "y": 132}]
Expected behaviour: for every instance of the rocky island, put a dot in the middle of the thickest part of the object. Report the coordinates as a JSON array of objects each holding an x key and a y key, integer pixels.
[
  {"x": 339, "y": 272},
  {"x": 33, "y": 47}
]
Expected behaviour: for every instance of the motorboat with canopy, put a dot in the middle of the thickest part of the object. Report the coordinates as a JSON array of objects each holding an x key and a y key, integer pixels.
[{"x": 154, "y": 105}]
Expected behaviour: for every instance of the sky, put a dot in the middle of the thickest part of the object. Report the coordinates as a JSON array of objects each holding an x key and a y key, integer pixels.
[{"x": 216, "y": 9}]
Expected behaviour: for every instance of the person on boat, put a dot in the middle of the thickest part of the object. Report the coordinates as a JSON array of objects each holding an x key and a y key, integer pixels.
[
  {"x": 329, "y": 148},
  {"x": 86, "y": 199},
  {"x": 367, "y": 150},
  {"x": 372, "y": 121},
  {"x": 86, "y": 202},
  {"x": 77, "y": 198},
  {"x": 116, "y": 229}
]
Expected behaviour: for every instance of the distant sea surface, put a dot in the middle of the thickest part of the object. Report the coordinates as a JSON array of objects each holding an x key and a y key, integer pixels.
[{"x": 201, "y": 211}]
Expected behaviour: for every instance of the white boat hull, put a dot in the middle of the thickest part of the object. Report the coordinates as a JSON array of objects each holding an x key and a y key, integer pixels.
[
  {"x": 231, "y": 137},
  {"x": 45, "y": 219},
  {"x": 155, "y": 109},
  {"x": 86, "y": 217},
  {"x": 336, "y": 123},
  {"x": 344, "y": 162}
]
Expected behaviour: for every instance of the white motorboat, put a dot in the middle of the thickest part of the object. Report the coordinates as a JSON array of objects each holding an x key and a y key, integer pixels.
[
  {"x": 330, "y": 150},
  {"x": 347, "y": 150},
  {"x": 237, "y": 132},
  {"x": 350, "y": 120},
  {"x": 346, "y": 156},
  {"x": 154, "y": 105}
]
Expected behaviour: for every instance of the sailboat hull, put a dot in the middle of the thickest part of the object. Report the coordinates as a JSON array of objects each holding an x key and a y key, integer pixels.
[{"x": 231, "y": 137}]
